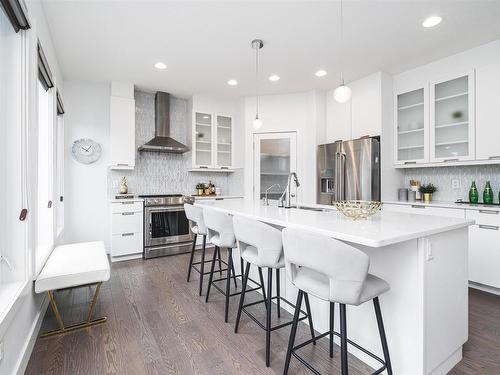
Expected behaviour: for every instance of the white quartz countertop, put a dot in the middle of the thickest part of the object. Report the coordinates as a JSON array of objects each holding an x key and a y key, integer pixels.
[
  {"x": 136, "y": 199},
  {"x": 384, "y": 228},
  {"x": 444, "y": 204},
  {"x": 204, "y": 197}
]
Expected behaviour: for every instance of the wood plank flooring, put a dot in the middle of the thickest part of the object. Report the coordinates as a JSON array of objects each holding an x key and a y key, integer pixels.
[{"x": 157, "y": 324}]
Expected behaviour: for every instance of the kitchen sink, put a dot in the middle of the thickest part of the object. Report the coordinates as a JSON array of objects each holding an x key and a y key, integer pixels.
[{"x": 308, "y": 208}]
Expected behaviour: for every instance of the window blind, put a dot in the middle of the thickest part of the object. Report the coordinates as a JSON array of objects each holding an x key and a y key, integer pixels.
[
  {"x": 44, "y": 73},
  {"x": 60, "y": 106},
  {"x": 16, "y": 12}
]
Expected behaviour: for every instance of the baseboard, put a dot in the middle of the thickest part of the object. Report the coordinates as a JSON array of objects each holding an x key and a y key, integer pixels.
[
  {"x": 484, "y": 288},
  {"x": 30, "y": 341}
]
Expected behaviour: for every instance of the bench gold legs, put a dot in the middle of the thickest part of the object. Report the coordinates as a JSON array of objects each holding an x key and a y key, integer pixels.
[{"x": 88, "y": 323}]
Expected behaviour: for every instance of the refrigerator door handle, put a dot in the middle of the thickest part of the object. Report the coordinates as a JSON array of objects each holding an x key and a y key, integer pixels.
[{"x": 342, "y": 157}]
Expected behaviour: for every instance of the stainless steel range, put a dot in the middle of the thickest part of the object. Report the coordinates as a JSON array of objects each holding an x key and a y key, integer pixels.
[{"x": 166, "y": 228}]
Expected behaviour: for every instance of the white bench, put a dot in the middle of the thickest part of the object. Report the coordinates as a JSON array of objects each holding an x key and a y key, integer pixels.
[{"x": 70, "y": 266}]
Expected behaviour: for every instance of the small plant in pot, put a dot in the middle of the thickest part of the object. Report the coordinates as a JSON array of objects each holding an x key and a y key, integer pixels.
[
  {"x": 200, "y": 188},
  {"x": 427, "y": 190}
]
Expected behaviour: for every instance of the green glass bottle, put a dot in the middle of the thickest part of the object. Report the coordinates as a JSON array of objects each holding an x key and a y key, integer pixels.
[
  {"x": 487, "y": 194},
  {"x": 473, "y": 193}
]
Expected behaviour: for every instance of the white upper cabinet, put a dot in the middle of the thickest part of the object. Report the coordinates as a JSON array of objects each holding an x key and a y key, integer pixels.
[
  {"x": 224, "y": 144},
  {"x": 411, "y": 126},
  {"x": 487, "y": 113},
  {"x": 452, "y": 136},
  {"x": 203, "y": 140},
  {"x": 122, "y": 126}
]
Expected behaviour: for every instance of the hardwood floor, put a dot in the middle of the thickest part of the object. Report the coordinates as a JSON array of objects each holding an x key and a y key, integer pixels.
[{"x": 157, "y": 324}]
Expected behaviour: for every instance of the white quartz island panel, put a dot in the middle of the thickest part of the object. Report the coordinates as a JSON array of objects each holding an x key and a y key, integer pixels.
[{"x": 423, "y": 258}]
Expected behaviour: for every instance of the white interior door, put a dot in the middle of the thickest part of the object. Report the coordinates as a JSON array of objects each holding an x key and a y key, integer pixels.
[{"x": 275, "y": 156}]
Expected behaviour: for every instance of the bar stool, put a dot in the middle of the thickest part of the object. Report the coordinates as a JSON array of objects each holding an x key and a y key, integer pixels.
[
  {"x": 220, "y": 233},
  {"x": 195, "y": 216},
  {"x": 260, "y": 244},
  {"x": 336, "y": 272}
]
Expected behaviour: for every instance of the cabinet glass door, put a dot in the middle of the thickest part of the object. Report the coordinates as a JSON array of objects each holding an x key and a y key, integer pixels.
[
  {"x": 274, "y": 159},
  {"x": 410, "y": 123},
  {"x": 452, "y": 119},
  {"x": 224, "y": 141},
  {"x": 203, "y": 139}
]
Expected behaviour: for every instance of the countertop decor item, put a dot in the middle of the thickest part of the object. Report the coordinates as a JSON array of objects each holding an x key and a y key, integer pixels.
[
  {"x": 403, "y": 194},
  {"x": 415, "y": 186},
  {"x": 200, "y": 188},
  {"x": 358, "y": 209},
  {"x": 123, "y": 185},
  {"x": 488, "y": 194},
  {"x": 473, "y": 193},
  {"x": 427, "y": 191}
]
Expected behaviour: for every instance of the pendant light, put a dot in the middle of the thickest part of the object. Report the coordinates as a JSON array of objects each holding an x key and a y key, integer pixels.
[
  {"x": 257, "y": 44},
  {"x": 342, "y": 93}
]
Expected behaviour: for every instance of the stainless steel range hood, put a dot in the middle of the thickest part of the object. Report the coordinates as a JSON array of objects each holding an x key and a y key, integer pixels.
[{"x": 162, "y": 142}]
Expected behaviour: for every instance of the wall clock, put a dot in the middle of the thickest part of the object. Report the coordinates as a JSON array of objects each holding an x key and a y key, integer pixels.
[{"x": 86, "y": 151}]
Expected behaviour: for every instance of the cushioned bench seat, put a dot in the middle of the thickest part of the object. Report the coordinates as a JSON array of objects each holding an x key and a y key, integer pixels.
[{"x": 74, "y": 265}]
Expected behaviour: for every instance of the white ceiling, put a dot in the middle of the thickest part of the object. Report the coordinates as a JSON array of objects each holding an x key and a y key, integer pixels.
[{"x": 206, "y": 43}]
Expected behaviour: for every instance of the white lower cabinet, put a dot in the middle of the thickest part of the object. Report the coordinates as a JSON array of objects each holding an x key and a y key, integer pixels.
[{"x": 126, "y": 230}]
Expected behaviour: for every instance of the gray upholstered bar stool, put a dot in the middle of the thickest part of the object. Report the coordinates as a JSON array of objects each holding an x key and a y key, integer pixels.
[
  {"x": 336, "y": 272},
  {"x": 260, "y": 245},
  {"x": 221, "y": 234},
  {"x": 195, "y": 216}
]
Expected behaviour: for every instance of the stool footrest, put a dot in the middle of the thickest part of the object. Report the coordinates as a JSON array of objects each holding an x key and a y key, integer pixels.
[{"x": 223, "y": 292}]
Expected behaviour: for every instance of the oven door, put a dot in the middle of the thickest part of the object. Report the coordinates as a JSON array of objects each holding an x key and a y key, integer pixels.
[{"x": 165, "y": 225}]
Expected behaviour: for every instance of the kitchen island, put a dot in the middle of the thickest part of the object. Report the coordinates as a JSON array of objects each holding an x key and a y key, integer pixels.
[{"x": 423, "y": 258}]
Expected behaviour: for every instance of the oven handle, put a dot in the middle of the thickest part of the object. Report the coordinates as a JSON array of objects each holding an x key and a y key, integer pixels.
[{"x": 165, "y": 209}]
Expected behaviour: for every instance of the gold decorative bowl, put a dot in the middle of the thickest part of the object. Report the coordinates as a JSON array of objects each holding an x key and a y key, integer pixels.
[{"x": 358, "y": 209}]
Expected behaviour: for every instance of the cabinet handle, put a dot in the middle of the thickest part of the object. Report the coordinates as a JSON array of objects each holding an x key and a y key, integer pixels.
[
  {"x": 219, "y": 199},
  {"x": 450, "y": 160},
  {"x": 61, "y": 199},
  {"x": 410, "y": 162},
  {"x": 494, "y": 157},
  {"x": 127, "y": 213},
  {"x": 490, "y": 227},
  {"x": 127, "y": 234},
  {"x": 127, "y": 202},
  {"x": 204, "y": 166},
  {"x": 224, "y": 167},
  {"x": 122, "y": 165},
  {"x": 23, "y": 214},
  {"x": 488, "y": 212},
  {"x": 49, "y": 204},
  {"x": 417, "y": 206}
]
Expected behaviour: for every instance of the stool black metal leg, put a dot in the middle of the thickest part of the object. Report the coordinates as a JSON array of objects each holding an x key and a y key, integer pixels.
[
  {"x": 192, "y": 257},
  {"x": 228, "y": 282},
  {"x": 261, "y": 277},
  {"x": 278, "y": 300},
  {"x": 332, "y": 316},
  {"x": 268, "y": 315},
  {"x": 220, "y": 262},
  {"x": 309, "y": 318},
  {"x": 381, "y": 330},
  {"x": 242, "y": 267},
  {"x": 343, "y": 340},
  {"x": 202, "y": 265},
  {"x": 293, "y": 332},
  {"x": 233, "y": 269},
  {"x": 211, "y": 277},
  {"x": 242, "y": 297}
]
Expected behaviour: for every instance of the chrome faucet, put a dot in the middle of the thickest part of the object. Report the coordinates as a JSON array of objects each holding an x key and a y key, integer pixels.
[
  {"x": 266, "y": 201},
  {"x": 285, "y": 198}
]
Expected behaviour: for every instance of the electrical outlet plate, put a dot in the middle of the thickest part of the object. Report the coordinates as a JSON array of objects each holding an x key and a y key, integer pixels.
[{"x": 455, "y": 183}]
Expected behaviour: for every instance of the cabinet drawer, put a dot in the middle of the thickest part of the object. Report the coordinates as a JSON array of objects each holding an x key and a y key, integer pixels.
[
  {"x": 119, "y": 207},
  {"x": 486, "y": 217},
  {"x": 126, "y": 222},
  {"x": 484, "y": 255},
  {"x": 126, "y": 244}
]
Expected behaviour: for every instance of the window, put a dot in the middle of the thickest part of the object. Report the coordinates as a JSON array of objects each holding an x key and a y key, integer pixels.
[
  {"x": 59, "y": 174},
  {"x": 13, "y": 197}
]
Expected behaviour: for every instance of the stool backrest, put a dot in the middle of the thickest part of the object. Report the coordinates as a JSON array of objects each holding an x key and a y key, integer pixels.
[
  {"x": 265, "y": 238},
  {"x": 195, "y": 215},
  {"x": 220, "y": 227},
  {"x": 345, "y": 266}
]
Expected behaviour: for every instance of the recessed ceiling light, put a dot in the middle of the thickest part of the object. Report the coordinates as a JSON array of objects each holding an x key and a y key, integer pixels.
[
  {"x": 160, "y": 65},
  {"x": 274, "y": 78},
  {"x": 432, "y": 21},
  {"x": 320, "y": 73},
  {"x": 232, "y": 82}
]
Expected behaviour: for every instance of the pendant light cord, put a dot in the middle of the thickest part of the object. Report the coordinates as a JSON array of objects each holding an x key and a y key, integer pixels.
[
  {"x": 341, "y": 43},
  {"x": 257, "y": 81}
]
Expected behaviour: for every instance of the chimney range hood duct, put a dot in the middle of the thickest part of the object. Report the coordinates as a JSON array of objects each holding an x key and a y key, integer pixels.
[{"x": 162, "y": 141}]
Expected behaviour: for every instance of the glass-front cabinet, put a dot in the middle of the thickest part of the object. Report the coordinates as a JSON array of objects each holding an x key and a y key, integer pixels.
[
  {"x": 212, "y": 141},
  {"x": 452, "y": 119},
  {"x": 411, "y": 116}
]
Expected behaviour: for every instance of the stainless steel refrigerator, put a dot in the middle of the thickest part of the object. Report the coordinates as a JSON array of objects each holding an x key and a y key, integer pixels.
[{"x": 349, "y": 170}]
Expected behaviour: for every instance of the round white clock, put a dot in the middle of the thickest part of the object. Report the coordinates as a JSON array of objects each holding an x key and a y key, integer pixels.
[{"x": 86, "y": 151}]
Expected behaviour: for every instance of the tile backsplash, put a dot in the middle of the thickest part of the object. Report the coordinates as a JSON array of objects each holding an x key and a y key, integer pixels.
[
  {"x": 163, "y": 173},
  {"x": 443, "y": 178}
]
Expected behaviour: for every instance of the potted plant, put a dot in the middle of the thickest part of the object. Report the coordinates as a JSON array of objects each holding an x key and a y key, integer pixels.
[
  {"x": 200, "y": 187},
  {"x": 427, "y": 191}
]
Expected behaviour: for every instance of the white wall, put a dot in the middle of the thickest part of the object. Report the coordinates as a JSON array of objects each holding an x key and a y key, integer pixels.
[{"x": 87, "y": 116}]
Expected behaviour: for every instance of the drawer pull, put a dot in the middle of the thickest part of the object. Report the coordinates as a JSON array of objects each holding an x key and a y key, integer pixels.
[
  {"x": 127, "y": 234},
  {"x": 122, "y": 164},
  {"x": 490, "y": 227},
  {"x": 450, "y": 160},
  {"x": 204, "y": 166},
  {"x": 488, "y": 212},
  {"x": 127, "y": 202},
  {"x": 494, "y": 157},
  {"x": 417, "y": 206},
  {"x": 410, "y": 162},
  {"x": 127, "y": 213}
]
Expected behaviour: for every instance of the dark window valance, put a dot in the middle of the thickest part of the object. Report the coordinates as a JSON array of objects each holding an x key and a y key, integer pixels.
[
  {"x": 44, "y": 73},
  {"x": 16, "y": 12},
  {"x": 60, "y": 106}
]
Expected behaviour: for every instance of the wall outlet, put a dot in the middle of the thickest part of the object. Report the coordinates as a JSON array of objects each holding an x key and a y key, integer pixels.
[
  {"x": 455, "y": 183},
  {"x": 1, "y": 351}
]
